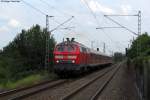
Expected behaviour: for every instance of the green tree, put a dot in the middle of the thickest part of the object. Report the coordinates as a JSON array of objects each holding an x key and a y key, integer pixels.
[
  {"x": 25, "y": 54},
  {"x": 141, "y": 44}
]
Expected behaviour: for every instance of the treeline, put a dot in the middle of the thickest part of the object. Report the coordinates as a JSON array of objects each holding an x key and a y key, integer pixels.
[
  {"x": 118, "y": 56},
  {"x": 139, "y": 52},
  {"x": 25, "y": 55},
  {"x": 140, "y": 47}
]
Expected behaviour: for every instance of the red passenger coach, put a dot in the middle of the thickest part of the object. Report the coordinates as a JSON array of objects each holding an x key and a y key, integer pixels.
[{"x": 71, "y": 56}]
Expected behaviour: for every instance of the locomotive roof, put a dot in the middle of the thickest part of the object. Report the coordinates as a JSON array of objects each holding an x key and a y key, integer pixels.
[
  {"x": 74, "y": 42},
  {"x": 81, "y": 45},
  {"x": 97, "y": 52}
]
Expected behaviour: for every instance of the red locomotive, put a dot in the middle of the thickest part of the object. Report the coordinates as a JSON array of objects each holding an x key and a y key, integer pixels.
[{"x": 71, "y": 56}]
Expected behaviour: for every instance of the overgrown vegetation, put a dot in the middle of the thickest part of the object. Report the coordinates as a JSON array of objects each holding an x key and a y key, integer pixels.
[
  {"x": 28, "y": 80},
  {"x": 141, "y": 63},
  {"x": 140, "y": 47},
  {"x": 139, "y": 51},
  {"x": 25, "y": 55}
]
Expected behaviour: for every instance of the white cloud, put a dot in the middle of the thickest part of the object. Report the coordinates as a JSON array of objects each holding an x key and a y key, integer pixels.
[
  {"x": 126, "y": 9},
  {"x": 90, "y": 23},
  {"x": 14, "y": 23},
  {"x": 93, "y": 6},
  {"x": 97, "y": 7},
  {"x": 4, "y": 29}
]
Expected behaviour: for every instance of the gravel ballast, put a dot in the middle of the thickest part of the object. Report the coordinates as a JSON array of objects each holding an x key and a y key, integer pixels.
[{"x": 122, "y": 86}]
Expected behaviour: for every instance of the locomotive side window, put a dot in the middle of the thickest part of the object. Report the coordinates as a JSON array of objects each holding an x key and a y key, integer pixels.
[{"x": 82, "y": 49}]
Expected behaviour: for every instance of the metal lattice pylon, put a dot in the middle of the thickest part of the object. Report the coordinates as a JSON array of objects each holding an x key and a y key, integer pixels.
[{"x": 47, "y": 37}]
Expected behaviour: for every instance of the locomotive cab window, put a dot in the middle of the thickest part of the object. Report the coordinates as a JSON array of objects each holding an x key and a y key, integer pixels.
[
  {"x": 60, "y": 48},
  {"x": 66, "y": 48},
  {"x": 70, "y": 48}
]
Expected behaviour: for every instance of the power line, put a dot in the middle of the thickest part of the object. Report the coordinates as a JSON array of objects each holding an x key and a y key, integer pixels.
[
  {"x": 68, "y": 27},
  {"x": 139, "y": 27},
  {"x": 47, "y": 32},
  {"x": 62, "y": 23},
  {"x": 28, "y": 4},
  {"x": 59, "y": 11},
  {"x": 94, "y": 16},
  {"x": 107, "y": 27},
  {"x": 38, "y": 10},
  {"x": 92, "y": 13},
  {"x": 117, "y": 46},
  {"x": 121, "y": 26},
  {"x": 8, "y": 1},
  {"x": 97, "y": 21}
]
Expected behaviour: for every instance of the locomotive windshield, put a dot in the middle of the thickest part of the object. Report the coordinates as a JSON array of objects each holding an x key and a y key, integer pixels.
[
  {"x": 66, "y": 48},
  {"x": 60, "y": 48},
  {"x": 70, "y": 48}
]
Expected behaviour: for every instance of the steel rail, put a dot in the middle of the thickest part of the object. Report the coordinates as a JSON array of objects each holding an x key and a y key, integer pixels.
[
  {"x": 68, "y": 96},
  {"x": 52, "y": 84},
  {"x": 12, "y": 91},
  {"x": 100, "y": 90}
]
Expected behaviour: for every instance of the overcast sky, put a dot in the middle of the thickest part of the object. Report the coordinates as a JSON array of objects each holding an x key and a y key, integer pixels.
[{"x": 88, "y": 15}]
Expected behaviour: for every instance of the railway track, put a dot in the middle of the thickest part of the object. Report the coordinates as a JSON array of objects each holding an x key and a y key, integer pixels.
[
  {"x": 100, "y": 90},
  {"x": 92, "y": 89},
  {"x": 64, "y": 89},
  {"x": 60, "y": 92},
  {"x": 17, "y": 94}
]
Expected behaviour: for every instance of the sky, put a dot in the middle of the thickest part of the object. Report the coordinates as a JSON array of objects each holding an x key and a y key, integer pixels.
[{"x": 88, "y": 15}]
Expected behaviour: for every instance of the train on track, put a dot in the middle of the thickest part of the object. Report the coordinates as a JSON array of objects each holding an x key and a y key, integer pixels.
[{"x": 73, "y": 57}]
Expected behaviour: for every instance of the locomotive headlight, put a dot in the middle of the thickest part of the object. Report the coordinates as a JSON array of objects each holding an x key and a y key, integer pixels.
[
  {"x": 57, "y": 61},
  {"x": 73, "y": 61},
  {"x": 72, "y": 57}
]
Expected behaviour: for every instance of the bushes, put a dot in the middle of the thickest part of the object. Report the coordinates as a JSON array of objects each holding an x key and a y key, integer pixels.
[
  {"x": 11, "y": 69},
  {"x": 141, "y": 45},
  {"x": 142, "y": 71},
  {"x": 28, "y": 80},
  {"x": 25, "y": 55}
]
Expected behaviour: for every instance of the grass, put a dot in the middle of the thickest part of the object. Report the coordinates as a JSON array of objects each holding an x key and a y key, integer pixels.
[{"x": 27, "y": 81}]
